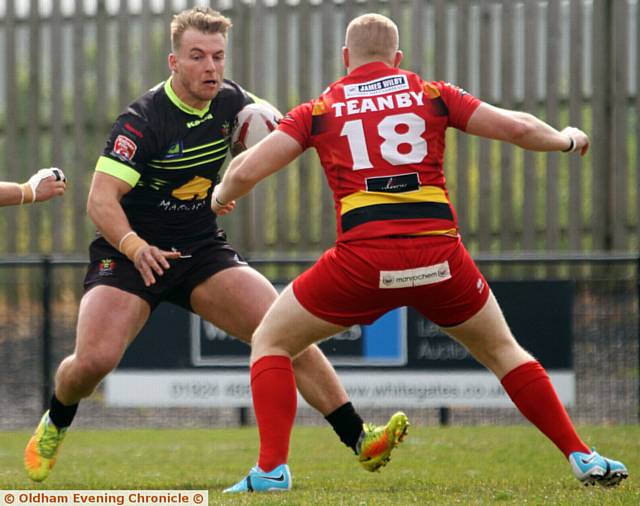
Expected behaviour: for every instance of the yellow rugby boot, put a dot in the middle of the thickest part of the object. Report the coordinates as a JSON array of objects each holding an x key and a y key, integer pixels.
[
  {"x": 377, "y": 442},
  {"x": 40, "y": 453}
]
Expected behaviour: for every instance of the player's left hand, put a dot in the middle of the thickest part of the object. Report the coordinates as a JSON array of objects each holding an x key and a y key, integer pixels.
[{"x": 219, "y": 208}]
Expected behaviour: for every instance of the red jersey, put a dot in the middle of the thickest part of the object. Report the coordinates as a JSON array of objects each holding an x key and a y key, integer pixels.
[{"x": 380, "y": 135}]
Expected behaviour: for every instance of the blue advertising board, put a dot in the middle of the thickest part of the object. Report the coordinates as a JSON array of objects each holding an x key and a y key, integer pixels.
[
  {"x": 384, "y": 343},
  {"x": 539, "y": 313}
]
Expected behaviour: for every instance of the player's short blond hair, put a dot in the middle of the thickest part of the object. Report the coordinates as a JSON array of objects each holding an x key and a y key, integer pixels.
[
  {"x": 371, "y": 37},
  {"x": 203, "y": 19}
]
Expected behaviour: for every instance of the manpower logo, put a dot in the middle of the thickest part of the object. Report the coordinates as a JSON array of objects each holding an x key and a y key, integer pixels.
[{"x": 415, "y": 277}]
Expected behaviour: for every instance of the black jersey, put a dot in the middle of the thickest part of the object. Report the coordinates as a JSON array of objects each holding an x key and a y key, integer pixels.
[{"x": 170, "y": 153}]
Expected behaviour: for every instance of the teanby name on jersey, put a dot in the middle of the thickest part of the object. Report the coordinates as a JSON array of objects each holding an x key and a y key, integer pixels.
[{"x": 377, "y": 95}]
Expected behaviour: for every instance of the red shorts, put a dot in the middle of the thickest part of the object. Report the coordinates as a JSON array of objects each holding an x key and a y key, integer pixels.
[{"x": 357, "y": 282}]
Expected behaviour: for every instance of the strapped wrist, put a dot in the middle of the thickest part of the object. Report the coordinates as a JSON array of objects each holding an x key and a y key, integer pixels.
[
  {"x": 130, "y": 245},
  {"x": 28, "y": 196},
  {"x": 572, "y": 145}
]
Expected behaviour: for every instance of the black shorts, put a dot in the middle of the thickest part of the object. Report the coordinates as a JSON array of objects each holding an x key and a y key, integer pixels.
[{"x": 111, "y": 268}]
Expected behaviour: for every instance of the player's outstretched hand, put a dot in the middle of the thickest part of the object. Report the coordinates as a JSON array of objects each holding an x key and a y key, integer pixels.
[
  {"x": 44, "y": 185},
  {"x": 580, "y": 139},
  {"x": 151, "y": 260},
  {"x": 221, "y": 208}
]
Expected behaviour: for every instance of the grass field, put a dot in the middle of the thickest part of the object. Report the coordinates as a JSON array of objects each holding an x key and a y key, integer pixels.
[{"x": 455, "y": 465}]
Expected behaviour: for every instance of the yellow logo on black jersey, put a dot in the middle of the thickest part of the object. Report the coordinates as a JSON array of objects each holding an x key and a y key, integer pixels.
[
  {"x": 196, "y": 188},
  {"x": 174, "y": 151}
]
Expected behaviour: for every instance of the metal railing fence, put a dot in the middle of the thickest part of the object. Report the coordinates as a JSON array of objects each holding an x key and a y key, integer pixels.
[{"x": 38, "y": 310}]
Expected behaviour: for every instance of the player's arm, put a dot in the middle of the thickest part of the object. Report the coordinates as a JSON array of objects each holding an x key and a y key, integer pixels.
[
  {"x": 104, "y": 208},
  {"x": 268, "y": 156},
  {"x": 43, "y": 185},
  {"x": 525, "y": 130}
]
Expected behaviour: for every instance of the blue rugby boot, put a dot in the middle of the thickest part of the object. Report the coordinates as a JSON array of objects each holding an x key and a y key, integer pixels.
[
  {"x": 592, "y": 468},
  {"x": 276, "y": 480}
]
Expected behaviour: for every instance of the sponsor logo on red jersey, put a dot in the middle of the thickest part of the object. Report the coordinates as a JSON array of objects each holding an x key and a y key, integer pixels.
[
  {"x": 378, "y": 86},
  {"x": 415, "y": 277}
]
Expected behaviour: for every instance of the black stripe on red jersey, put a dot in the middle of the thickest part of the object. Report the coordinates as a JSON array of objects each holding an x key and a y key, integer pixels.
[
  {"x": 320, "y": 124},
  {"x": 437, "y": 107},
  {"x": 379, "y": 212}
]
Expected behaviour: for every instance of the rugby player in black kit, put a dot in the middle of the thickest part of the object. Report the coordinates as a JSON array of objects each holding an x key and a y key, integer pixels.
[{"x": 158, "y": 239}]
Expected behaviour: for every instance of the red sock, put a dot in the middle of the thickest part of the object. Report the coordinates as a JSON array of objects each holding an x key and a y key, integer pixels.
[
  {"x": 273, "y": 387},
  {"x": 531, "y": 391}
]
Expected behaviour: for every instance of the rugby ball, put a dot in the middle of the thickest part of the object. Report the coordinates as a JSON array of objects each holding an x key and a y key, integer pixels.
[{"x": 253, "y": 123}]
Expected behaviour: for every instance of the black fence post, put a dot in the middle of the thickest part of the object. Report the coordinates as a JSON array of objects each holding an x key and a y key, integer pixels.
[
  {"x": 638, "y": 295},
  {"x": 243, "y": 416},
  {"x": 444, "y": 416},
  {"x": 46, "y": 332}
]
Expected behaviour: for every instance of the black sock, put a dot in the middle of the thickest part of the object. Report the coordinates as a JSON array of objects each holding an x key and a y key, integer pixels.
[
  {"x": 61, "y": 415},
  {"x": 347, "y": 424}
]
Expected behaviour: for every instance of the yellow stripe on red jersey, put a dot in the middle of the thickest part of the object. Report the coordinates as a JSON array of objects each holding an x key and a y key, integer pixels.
[
  {"x": 427, "y": 203},
  {"x": 364, "y": 198}
]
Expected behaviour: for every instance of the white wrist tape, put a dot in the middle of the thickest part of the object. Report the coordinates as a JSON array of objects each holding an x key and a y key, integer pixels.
[
  {"x": 572, "y": 146},
  {"x": 37, "y": 178},
  {"x": 122, "y": 239}
]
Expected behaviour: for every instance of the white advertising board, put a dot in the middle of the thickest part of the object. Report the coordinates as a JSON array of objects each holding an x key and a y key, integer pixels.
[{"x": 365, "y": 388}]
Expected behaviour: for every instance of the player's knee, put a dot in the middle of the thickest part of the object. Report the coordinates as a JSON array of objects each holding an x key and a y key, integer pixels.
[
  {"x": 505, "y": 349},
  {"x": 259, "y": 340},
  {"x": 78, "y": 386},
  {"x": 93, "y": 367},
  {"x": 260, "y": 336},
  {"x": 267, "y": 343},
  {"x": 309, "y": 356}
]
